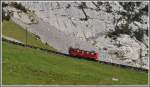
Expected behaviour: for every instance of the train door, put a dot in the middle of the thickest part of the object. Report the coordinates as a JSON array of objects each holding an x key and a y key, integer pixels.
[{"x": 102, "y": 55}]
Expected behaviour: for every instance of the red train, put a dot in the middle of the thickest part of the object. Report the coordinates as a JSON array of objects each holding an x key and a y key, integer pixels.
[{"x": 84, "y": 54}]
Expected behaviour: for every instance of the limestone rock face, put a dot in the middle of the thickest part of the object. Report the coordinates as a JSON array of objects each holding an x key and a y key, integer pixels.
[{"x": 85, "y": 25}]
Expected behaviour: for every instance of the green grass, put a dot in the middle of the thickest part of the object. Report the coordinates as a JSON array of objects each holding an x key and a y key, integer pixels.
[
  {"x": 29, "y": 66},
  {"x": 11, "y": 29}
]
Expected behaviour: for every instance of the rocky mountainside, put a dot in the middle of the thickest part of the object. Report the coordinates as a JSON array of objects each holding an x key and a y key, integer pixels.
[{"x": 117, "y": 30}]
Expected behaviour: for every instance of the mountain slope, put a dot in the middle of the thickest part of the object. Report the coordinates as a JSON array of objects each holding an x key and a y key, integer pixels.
[
  {"x": 12, "y": 30},
  {"x": 121, "y": 27},
  {"x": 31, "y": 66}
]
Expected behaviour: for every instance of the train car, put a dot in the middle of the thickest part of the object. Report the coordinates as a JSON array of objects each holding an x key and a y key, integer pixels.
[{"x": 84, "y": 54}]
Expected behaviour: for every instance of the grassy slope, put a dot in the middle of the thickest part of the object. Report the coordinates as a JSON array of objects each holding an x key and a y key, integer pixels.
[
  {"x": 29, "y": 66},
  {"x": 13, "y": 30}
]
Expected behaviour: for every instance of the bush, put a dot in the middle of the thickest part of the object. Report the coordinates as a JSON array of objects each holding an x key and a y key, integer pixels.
[
  {"x": 4, "y": 16},
  {"x": 4, "y": 4},
  {"x": 145, "y": 10},
  {"x": 82, "y": 5},
  {"x": 68, "y": 6},
  {"x": 19, "y": 6},
  {"x": 108, "y": 8},
  {"x": 99, "y": 3},
  {"x": 123, "y": 29},
  {"x": 139, "y": 34}
]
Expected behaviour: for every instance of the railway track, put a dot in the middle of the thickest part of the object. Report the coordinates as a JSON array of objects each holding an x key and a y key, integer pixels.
[{"x": 50, "y": 51}]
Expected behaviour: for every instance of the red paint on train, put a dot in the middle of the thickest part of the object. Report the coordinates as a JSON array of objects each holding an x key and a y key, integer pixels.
[{"x": 84, "y": 54}]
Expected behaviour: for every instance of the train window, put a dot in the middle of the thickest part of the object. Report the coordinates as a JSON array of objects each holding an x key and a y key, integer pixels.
[
  {"x": 92, "y": 53},
  {"x": 104, "y": 48}
]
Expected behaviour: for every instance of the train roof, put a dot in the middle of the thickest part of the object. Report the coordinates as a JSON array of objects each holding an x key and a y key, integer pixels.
[{"x": 82, "y": 50}]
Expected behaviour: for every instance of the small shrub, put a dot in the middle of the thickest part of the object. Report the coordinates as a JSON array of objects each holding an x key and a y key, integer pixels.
[
  {"x": 19, "y": 6},
  {"x": 123, "y": 29},
  {"x": 68, "y": 6},
  {"x": 4, "y": 16},
  {"x": 139, "y": 34},
  {"x": 46, "y": 43},
  {"x": 82, "y": 5},
  {"x": 99, "y": 3},
  {"x": 4, "y": 4},
  {"x": 108, "y": 8}
]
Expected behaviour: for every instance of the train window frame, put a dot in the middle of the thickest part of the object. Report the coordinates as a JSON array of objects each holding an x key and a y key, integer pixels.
[{"x": 92, "y": 53}]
